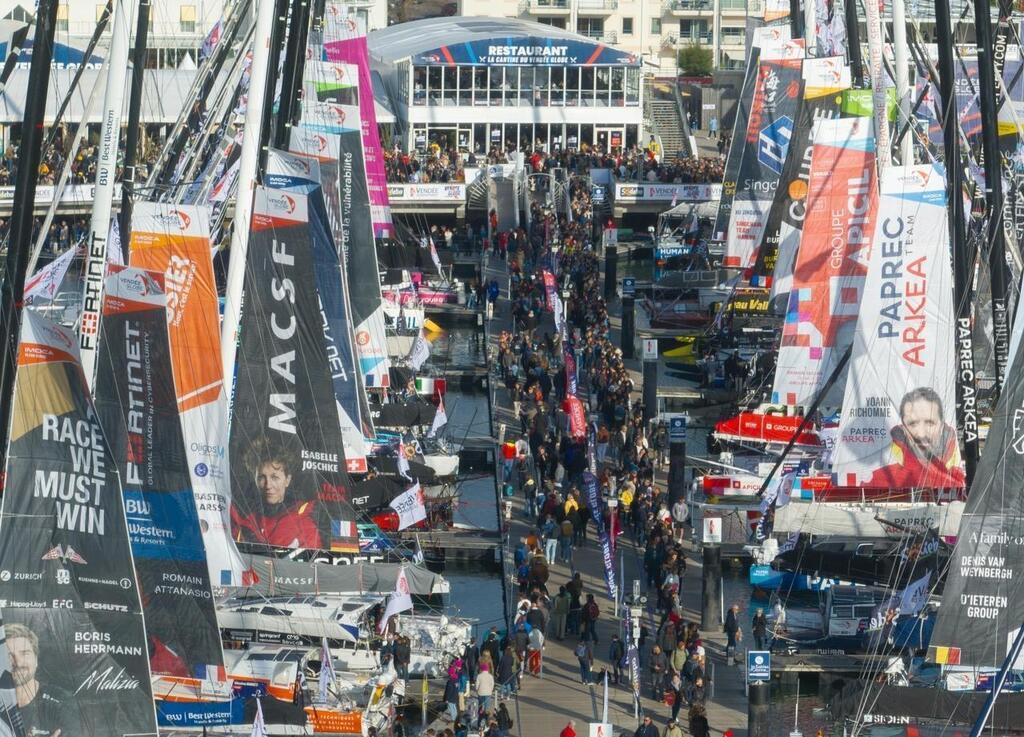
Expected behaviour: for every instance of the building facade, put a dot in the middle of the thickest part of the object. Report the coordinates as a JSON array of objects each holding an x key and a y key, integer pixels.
[
  {"x": 476, "y": 83},
  {"x": 653, "y": 29}
]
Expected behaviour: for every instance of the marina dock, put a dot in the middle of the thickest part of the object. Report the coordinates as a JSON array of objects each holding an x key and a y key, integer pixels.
[{"x": 545, "y": 704}]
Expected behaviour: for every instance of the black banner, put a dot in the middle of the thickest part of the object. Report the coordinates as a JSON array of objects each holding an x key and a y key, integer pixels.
[
  {"x": 71, "y": 609},
  {"x": 138, "y": 408},
  {"x": 735, "y": 154},
  {"x": 288, "y": 480}
]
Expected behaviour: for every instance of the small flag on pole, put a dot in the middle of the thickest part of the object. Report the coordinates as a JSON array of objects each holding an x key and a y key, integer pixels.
[
  {"x": 410, "y": 507},
  {"x": 327, "y": 674},
  {"x": 259, "y": 728},
  {"x": 440, "y": 419}
]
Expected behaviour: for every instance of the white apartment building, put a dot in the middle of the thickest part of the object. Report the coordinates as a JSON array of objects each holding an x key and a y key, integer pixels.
[{"x": 653, "y": 29}]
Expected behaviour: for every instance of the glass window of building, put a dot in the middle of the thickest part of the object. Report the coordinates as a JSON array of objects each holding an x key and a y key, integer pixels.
[
  {"x": 479, "y": 85},
  {"x": 480, "y": 137},
  {"x": 618, "y": 86},
  {"x": 554, "y": 22},
  {"x": 572, "y": 86},
  {"x": 465, "y": 85},
  {"x": 419, "y": 85},
  {"x": 526, "y": 81},
  {"x": 632, "y": 86},
  {"x": 187, "y": 18},
  {"x": 434, "y": 85},
  {"x": 497, "y": 84},
  {"x": 511, "y": 86},
  {"x": 557, "y": 85},
  {"x": 590, "y": 27},
  {"x": 587, "y": 86},
  {"x": 655, "y": 26},
  {"x": 627, "y": 26},
  {"x": 451, "y": 84},
  {"x": 603, "y": 77}
]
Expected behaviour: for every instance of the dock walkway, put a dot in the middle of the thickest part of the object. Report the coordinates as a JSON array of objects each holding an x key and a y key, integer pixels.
[{"x": 544, "y": 705}]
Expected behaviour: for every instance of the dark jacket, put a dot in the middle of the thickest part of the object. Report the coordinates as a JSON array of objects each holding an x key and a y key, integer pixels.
[
  {"x": 402, "y": 652},
  {"x": 506, "y": 669},
  {"x": 451, "y": 691},
  {"x": 646, "y": 730},
  {"x": 699, "y": 726},
  {"x": 732, "y": 624}
]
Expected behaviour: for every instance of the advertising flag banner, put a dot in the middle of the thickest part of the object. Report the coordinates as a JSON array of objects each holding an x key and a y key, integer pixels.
[
  {"x": 823, "y": 80},
  {"x": 831, "y": 265},
  {"x": 137, "y": 406},
  {"x": 897, "y": 428},
  {"x": 831, "y": 28},
  {"x": 175, "y": 240},
  {"x": 410, "y": 507},
  {"x": 72, "y": 613},
  {"x": 288, "y": 475},
  {"x": 43, "y": 285},
  {"x": 596, "y": 504}
]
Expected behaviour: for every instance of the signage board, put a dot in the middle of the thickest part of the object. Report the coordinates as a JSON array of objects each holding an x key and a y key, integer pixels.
[
  {"x": 650, "y": 349},
  {"x": 677, "y": 429},
  {"x": 598, "y": 729},
  {"x": 759, "y": 665},
  {"x": 712, "y": 530},
  {"x": 628, "y": 286}
]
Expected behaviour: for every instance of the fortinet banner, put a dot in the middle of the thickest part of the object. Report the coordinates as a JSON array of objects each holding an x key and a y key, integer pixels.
[
  {"x": 828, "y": 281},
  {"x": 897, "y": 429}
]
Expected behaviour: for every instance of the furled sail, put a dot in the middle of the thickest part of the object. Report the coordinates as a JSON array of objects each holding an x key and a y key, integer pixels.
[
  {"x": 71, "y": 609},
  {"x": 138, "y": 408}
]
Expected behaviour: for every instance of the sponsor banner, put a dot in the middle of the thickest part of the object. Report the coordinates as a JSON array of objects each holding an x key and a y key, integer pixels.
[
  {"x": 137, "y": 406},
  {"x": 427, "y": 192},
  {"x": 823, "y": 79},
  {"x": 828, "y": 279},
  {"x": 527, "y": 51},
  {"x": 569, "y": 362},
  {"x": 43, "y": 285},
  {"x": 879, "y": 97},
  {"x": 72, "y": 194},
  {"x": 200, "y": 714},
  {"x": 302, "y": 174},
  {"x": 640, "y": 192},
  {"x": 577, "y": 415},
  {"x": 72, "y": 615},
  {"x": 596, "y": 505},
  {"x": 773, "y": 112},
  {"x": 549, "y": 290},
  {"x": 862, "y": 520},
  {"x": 897, "y": 428},
  {"x": 355, "y": 226},
  {"x": 326, "y": 150},
  {"x": 349, "y": 46},
  {"x": 288, "y": 476},
  {"x": 775, "y": 10},
  {"x": 735, "y": 155},
  {"x": 175, "y": 240},
  {"x": 768, "y": 428},
  {"x": 331, "y": 82}
]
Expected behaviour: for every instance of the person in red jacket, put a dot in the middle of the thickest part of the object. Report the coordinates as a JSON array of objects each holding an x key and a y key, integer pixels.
[
  {"x": 924, "y": 450},
  {"x": 278, "y": 522},
  {"x": 569, "y": 731}
]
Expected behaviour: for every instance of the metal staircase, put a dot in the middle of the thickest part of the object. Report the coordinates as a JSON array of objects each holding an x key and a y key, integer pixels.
[{"x": 663, "y": 110}]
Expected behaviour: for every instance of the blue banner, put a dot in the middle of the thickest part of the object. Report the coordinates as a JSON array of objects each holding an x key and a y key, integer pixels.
[
  {"x": 571, "y": 377},
  {"x": 201, "y": 714},
  {"x": 595, "y": 504},
  {"x": 527, "y": 51}
]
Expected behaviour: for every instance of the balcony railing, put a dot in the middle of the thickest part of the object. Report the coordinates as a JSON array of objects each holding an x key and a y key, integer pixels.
[
  {"x": 585, "y": 6},
  {"x": 608, "y": 37},
  {"x": 685, "y": 5},
  {"x": 540, "y": 6}
]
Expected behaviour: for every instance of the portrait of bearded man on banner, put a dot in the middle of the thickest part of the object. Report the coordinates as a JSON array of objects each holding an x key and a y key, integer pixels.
[
  {"x": 923, "y": 451},
  {"x": 275, "y": 511}
]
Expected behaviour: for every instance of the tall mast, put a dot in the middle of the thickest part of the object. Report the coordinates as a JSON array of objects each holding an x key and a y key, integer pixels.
[
  {"x": 899, "y": 42},
  {"x": 20, "y": 241},
  {"x": 810, "y": 28},
  {"x": 963, "y": 258},
  {"x": 273, "y": 62},
  {"x": 106, "y": 170},
  {"x": 291, "y": 74},
  {"x": 990, "y": 97},
  {"x": 247, "y": 163},
  {"x": 132, "y": 135},
  {"x": 853, "y": 42}
]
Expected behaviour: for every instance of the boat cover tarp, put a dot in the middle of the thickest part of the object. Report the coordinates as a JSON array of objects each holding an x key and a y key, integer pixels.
[
  {"x": 279, "y": 577},
  {"x": 389, "y": 465},
  {"x": 923, "y": 703},
  {"x": 376, "y": 492},
  {"x": 409, "y": 414}
]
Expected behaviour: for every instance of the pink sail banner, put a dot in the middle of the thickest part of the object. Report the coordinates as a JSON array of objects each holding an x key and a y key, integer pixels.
[
  {"x": 897, "y": 428},
  {"x": 348, "y": 45},
  {"x": 828, "y": 279}
]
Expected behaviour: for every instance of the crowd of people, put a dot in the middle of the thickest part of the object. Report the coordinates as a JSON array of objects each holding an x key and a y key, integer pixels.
[
  {"x": 546, "y": 466},
  {"x": 634, "y": 163}
]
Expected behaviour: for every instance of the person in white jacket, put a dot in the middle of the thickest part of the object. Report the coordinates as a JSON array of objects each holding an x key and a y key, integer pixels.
[{"x": 485, "y": 688}]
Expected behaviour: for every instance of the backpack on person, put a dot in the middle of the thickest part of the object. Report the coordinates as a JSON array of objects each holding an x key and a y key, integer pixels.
[{"x": 591, "y": 610}]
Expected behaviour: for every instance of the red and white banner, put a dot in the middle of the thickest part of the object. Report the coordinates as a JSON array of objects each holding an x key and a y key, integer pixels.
[
  {"x": 573, "y": 409},
  {"x": 897, "y": 428},
  {"x": 828, "y": 280},
  {"x": 754, "y": 426},
  {"x": 410, "y": 507},
  {"x": 43, "y": 285},
  {"x": 549, "y": 289}
]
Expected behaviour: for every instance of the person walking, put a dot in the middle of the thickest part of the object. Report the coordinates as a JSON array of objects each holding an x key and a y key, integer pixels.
[
  {"x": 582, "y": 653},
  {"x": 485, "y": 689},
  {"x": 507, "y": 673},
  {"x": 646, "y": 728},
  {"x": 733, "y": 631},
  {"x": 565, "y": 541},
  {"x": 616, "y": 654},
  {"x": 698, "y": 719},
  {"x": 759, "y": 628},
  {"x": 569, "y": 730},
  {"x": 591, "y": 611},
  {"x": 658, "y": 666},
  {"x": 504, "y": 720},
  {"x": 713, "y": 127},
  {"x": 451, "y": 698},
  {"x": 560, "y": 612},
  {"x": 672, "y": 729},
  {"x": 550, "y": 530}
]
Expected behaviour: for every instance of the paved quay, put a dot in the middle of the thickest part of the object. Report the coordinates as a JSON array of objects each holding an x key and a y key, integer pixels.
[{"x": 544, "y": 705}]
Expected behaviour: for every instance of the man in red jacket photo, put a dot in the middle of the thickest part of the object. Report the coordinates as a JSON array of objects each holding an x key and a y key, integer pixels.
[{"x": 278, "y": 521}]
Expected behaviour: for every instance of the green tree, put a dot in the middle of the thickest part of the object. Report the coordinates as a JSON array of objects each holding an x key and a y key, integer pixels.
[{"x": 696, "y": 61}]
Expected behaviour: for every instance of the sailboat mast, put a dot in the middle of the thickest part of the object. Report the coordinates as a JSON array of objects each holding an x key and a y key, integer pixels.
[
  {"x": 247, "y": 164},
  {"x": 103, "y": 196},
  {"x": 132, "y": 135},
  {"x": 853, "y": 42},
  {"x": 899, "y": 43},
  {"x": 273, "y": 63},
  {"x": 989, "y": 99},
  {"x": 810, "y": 28},
  {"x": 963, "y": 259},
  {"x": 291, "y": 74},
  {"x": 20, "y": 239}
]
